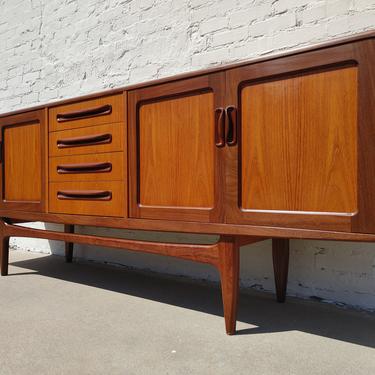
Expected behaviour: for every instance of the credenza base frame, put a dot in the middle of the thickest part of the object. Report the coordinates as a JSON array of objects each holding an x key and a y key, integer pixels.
[{"x": 223, "y": 255}]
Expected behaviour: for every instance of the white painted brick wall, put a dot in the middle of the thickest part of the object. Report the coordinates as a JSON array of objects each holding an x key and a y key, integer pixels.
[{"x": 52, "y": 49}]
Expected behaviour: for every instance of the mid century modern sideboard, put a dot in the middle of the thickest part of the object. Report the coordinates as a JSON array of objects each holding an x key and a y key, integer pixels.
[{"x": 280, "y": 147}]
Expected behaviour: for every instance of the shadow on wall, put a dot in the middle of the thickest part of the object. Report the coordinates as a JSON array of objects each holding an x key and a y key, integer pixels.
[{"x": 259, "y": 311}]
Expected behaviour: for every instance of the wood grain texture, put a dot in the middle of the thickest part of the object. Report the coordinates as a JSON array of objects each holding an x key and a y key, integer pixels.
[
  {"x": 176, "y": 152},
  {"x": 311, "y": 62},
  {"x": 117, "y": 132},
  {"x": 22, "y": 163},
  {"x": 175, "y": 170},
  {"x": 280, "y": 256},
  {"x": 299, "y": 143},
  {"x": 117, "y": 114},
  {"x": 116, "y": 206},
  {"x": 116, "y": 159}
]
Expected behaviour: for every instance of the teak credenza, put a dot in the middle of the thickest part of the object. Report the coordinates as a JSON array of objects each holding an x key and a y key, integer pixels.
[{"x": 280, "y": 147}]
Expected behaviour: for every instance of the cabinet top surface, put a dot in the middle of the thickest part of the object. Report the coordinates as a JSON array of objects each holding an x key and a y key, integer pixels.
[{"x": 331, "y": 43}]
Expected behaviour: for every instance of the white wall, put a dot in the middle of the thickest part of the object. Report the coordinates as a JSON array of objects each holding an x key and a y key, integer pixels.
[{"x": 51, "y": 49}]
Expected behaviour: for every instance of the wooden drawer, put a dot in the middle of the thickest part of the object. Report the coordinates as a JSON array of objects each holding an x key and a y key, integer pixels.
[
  {"x": 91, "y": 167},
  {"x": 95, "y": 139},
  {"x": 87, "y": 198},
  {"x": 91, "y": 112}
]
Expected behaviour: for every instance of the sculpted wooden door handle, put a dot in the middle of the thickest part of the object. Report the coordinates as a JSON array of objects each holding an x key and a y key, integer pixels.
[
  {"x": 84, "y": 113},
  {"x": 231, "y": 116},
  {"x": 219, "y": 127}
]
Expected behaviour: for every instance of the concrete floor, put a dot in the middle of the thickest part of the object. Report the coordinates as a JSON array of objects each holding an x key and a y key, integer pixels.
[{"x": 58, "y": 318}]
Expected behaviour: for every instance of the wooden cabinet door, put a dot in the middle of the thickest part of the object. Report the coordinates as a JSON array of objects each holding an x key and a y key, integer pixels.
[
  {"x": 175, "y": 168},
  {"x": 23, "y": 160},
  {"x": 302, "y": 123}
]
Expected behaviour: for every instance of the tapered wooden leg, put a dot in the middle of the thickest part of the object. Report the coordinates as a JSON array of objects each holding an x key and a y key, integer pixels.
[
  {"x": 229, "y": 263},
  {"x": 280, "y": 254},
  {"x": 4, "y": 253},
  {"x": 69, "y": 245}
]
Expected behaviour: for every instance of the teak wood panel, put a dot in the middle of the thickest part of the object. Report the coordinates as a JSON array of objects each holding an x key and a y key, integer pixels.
[
  {"x": 299, "y": 143},
  {"x": 87, "y": 113},
  {"x": 176, "y": 152},
  {"x": 23, "y": 164},
  {"x": 175, "y": 169},
  {"x": 115, "y": 206},
  {"x": 91, "y": 167},
  {"x": 116, "y": 131},
  {"x": 22, "y": 170},
  {"x": 359, "y": 55}
]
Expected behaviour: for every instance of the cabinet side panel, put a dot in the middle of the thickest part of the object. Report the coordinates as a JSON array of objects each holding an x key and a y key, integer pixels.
[
  {"x": 299, "y": 143},
  {"x": 22, "y": 163},
  {"x": 176, "y": 152}
]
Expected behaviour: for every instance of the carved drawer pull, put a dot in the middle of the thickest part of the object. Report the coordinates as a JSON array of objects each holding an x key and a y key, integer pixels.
[
  {"x": 87, "y": 140},
  {"x": 84, "y": 168},
  {"x": 84, "y": 113},
  {"x": 90, "y": 195}
]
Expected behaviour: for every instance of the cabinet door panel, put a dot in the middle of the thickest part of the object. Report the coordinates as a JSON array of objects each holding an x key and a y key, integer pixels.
[
  {"x": 299, "y": 143},
  {"x": 23, "y": 166},
  {"x": 304, "y": 130},
  {"x": 177, "y": 130},
  {"x": 22, "y": 170},
  {"x": 177, "y": 163}
]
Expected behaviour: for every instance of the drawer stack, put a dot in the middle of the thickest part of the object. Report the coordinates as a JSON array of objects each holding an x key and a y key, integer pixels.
[{"x": 87, "y": 158}]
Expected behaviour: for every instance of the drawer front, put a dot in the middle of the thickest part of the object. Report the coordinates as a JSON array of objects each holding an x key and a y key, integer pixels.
[
  {"x": 87, "y": 198},
  {"x": 91, "y": 167},
  {"x": 91, "y": 112},
  {"x": 92, "y": 140}
]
